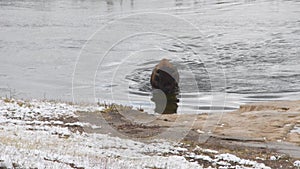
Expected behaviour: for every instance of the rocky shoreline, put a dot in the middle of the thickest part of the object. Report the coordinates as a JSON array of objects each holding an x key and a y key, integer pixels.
[
  {"x": 270, "y": 129},
  {"x": 260, "y": 135}
]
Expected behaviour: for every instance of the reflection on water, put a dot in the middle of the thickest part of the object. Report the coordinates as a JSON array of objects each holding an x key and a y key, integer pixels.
[{"x": 164, "y": 103}]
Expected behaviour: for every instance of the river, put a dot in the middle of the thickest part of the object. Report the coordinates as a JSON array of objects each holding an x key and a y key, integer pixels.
[{"x": 227, "y": 52}]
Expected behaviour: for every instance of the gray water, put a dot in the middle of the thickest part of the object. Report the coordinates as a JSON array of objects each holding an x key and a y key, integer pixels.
[{"x": 227, "y": 52}]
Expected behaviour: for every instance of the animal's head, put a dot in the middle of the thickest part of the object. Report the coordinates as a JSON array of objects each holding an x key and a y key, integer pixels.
[{"x": 165, "y": 77}]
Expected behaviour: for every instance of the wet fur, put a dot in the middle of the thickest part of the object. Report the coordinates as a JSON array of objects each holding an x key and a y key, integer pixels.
[{"x": 165, "y": 77}]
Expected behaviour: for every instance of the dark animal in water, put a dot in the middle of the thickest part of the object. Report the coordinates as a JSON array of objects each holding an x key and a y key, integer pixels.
[{"x": 165, "y": 77}]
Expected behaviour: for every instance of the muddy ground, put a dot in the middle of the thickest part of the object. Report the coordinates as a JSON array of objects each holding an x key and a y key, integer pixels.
[{"x": 255, "y": 131}]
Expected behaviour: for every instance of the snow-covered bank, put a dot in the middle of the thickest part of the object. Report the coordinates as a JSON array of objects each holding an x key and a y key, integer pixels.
[
  {"x": 44, "y": 149},
  {"x": 35, "y": 134},
  {"x": 41, "y": 134}
]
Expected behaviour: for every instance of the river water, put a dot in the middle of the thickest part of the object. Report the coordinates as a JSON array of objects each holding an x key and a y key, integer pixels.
[{"x": 227, "y": 52}]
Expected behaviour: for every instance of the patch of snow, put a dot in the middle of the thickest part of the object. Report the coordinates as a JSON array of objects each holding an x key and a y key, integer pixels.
[
  {"x": 5, "y": 162},
  {"x": 180, "y": 149},
  {"x": 232, "y": 158},
  {"x": 95, "y": 126},
  {"x": 200, "y": 131},
  {"x": 190, "y": 155},
  {"x": 89, "y": 150},
  {"x": 296, "y": 129},
  {"x": 273, "y": 158},
  {"x": 223, "y": 164},
  {"x": 297, "y": 163},
  {"x": 259, "y": 158},
  {"x": 203, "y": 157},
  {"x": 19, "y": 109},
  {"x": 197, "y": 148}
]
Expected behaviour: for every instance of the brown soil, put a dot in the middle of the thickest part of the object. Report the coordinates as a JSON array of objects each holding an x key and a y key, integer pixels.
[{"x": 255, "y": 130}]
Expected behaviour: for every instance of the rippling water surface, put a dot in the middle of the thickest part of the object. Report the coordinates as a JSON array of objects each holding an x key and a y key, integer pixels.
[{"x": 227, "y": 52}]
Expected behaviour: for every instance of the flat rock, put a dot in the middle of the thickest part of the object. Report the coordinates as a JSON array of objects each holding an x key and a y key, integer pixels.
[{"x": 257, "y": 124}]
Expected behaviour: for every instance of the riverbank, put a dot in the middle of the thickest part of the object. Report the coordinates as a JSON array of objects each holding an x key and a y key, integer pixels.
[{"x": 42, "y": 134}]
